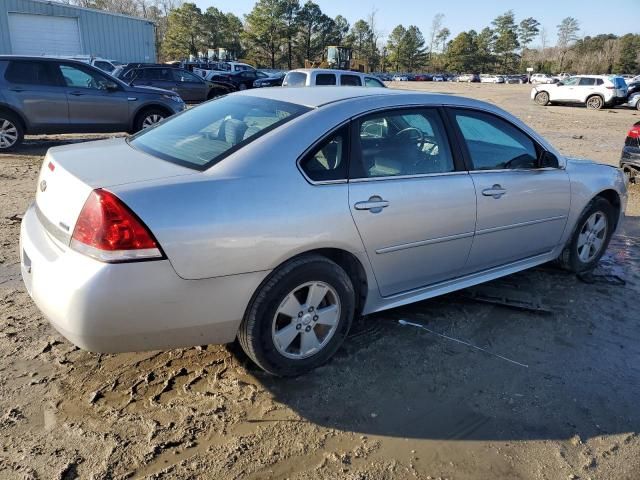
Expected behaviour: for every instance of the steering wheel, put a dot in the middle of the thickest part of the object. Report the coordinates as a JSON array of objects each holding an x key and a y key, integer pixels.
[{"x": 420, "y": 140}]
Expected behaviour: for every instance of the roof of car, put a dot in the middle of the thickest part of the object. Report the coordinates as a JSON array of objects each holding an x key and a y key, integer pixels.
[
  {"x": 41, "y": 57},
  {"x": 318, "y": 96},
  {"x": 326, "y": 70}
]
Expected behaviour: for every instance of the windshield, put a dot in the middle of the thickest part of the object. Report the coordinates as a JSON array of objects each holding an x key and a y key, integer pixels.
[{"x": 204, "y": 135}]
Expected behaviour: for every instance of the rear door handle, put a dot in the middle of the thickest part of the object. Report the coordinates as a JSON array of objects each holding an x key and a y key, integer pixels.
[
  {"x": 375, "y": 204},
  {"x": 17, "y": 89},
  {"x": 76, "y": 94},
  {"x": 496, "y": 191}
]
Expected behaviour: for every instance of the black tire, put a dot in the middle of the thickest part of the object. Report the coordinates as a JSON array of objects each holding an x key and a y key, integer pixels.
[
  {"x": 570, "y": 259},
  {"x": 11, "y": 131},
  {"x": 242, "y": 86},
  {"x": 142, "y": 117},
  {"x": 213, "y": 93},
  {"x": 542, "y": 99},
  {"x": 255, "y": 333},
  {"x": 595, "y": 102}
]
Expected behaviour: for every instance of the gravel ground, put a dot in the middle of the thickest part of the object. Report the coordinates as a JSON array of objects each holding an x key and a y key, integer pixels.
[{"x": 396, "y": 402}]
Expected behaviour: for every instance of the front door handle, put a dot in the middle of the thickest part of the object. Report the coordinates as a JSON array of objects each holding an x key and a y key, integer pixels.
[
  {"x": 375, "y": 204},
  {"x": 496, "y": 191},
  {"x": 76, "y": 94}
]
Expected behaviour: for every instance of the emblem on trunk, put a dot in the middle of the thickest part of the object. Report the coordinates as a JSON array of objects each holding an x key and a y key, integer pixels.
[{"x": 43, "y": 185}]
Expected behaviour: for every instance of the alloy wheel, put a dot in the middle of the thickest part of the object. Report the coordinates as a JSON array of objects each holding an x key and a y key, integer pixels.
[
  {"x": 595, "y": 103},
  {"x": 151, "y": 120},
  {"x": 592, "y": 237},
  {"x": 306, "y": 320},
  {"x": 8, "y": 133}
]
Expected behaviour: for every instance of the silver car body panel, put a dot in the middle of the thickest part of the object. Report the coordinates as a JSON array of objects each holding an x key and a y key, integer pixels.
[{"x": 225, "y": 229}]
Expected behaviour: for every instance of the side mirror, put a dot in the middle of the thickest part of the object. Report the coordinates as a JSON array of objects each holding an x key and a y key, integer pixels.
[
  {"x": 549, "y": 160},
  {"x": 111, "y": 86},
  {"x": 560, "y": 84}
]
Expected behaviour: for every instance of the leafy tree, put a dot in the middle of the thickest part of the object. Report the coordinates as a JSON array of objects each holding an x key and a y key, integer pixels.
[
  {"x": 528, "y": 29},
  {"x": 341, "y": 31},
  {"x": 396, "y": 47},
  {"x": 290, "y": 11},
  {"x": 234, "y": 30},
  {"x": 629, "y": 61},
  {"x": 214, "y": 28},
  {"x": 567, "y": 34},
  {"x": 265, "y": 30},
  {"x": 309, "y": 19},
  {"x": 485, "y": 42},
  {"x": 415, "y": 51},
  {"x": 442, "y": 37},
  {"x": 184, "y": 35},
  {"x": 506, "y": 39},
  {"x": 462, "y": 52}
]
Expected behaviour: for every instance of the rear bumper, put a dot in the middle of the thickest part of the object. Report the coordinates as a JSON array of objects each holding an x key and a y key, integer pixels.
[
  {"x": 630, "y": 156},
  {"x": 129, "y": 306}
]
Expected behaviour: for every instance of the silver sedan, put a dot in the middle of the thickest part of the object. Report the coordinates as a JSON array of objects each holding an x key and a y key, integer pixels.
[{"x": 275, "y": 216}]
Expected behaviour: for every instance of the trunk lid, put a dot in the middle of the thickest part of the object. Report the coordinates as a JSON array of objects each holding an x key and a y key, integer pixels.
[{"x": 69, "y": 174}]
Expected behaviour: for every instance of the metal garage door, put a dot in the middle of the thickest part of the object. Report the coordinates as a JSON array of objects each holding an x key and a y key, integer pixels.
[{"x": 44, "y": 34}]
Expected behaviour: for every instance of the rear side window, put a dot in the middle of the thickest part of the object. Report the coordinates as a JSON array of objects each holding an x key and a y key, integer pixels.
[
  {"x": 204, "y": 135},
  {"x": 328, "y": 161},
  {"x": 30, "y": 73},
  {"x": 295, "y": 79},
  {"x": 495, "y": 144},
  {"x": 587, "y": 82},
  {"x": 325, "y": 79},
  {"x": 599, "y": 81},
  {"x": 350, "y": 81}
]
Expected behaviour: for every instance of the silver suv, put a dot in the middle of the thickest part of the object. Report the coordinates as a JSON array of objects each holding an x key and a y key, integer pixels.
[{"x": 51, "y": 95}]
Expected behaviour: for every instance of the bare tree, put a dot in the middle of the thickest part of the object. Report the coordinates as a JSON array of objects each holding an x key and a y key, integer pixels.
[{"x": 436, "y": 26}]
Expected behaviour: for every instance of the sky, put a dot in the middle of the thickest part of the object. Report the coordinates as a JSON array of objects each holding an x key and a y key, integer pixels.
[{"x": 617, "y": 17}]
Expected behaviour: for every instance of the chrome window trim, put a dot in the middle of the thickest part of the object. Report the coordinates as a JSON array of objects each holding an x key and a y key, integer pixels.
[{"x": 406, "y": 177}]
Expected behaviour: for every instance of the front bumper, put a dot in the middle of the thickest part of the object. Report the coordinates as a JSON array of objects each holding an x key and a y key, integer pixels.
[
  {"x": 630, "y": 156},
  {"x": 128, "y": 306}
]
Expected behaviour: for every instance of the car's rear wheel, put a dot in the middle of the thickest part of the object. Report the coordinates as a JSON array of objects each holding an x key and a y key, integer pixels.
[
  {"x": 591, "y": 237},
  {"x": 542, "y": 99},
  {"x": 148, "y": 118},
  {"x": 11, "y": 131},
  {"x": 299, "y": 317},
  {"x": 595, "y": 102},
  {"x": 242, "y": 86}
]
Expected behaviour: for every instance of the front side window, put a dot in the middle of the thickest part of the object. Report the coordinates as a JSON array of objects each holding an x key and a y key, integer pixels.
[
  {"x": 571, "y": 82},
  {"x": 328, "y": 161},
  {"x": 295, "y": 79},
  {"x": 156, "y": 75},
  {"x": 402, "y": 143},
  {"x": 30, "y": 73},
  {"x": 325, "y": 79},
  {"x": 373, "y": 82},
  {"x": 350, "y": 81},
  {"x": 78, "y": 77},
  {"x": 204, "y": 135},
  {"x": 495, "y": 144}
]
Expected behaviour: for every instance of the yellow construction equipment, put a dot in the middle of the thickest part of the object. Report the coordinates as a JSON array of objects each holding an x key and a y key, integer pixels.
[{"x": 340, "y": 58}]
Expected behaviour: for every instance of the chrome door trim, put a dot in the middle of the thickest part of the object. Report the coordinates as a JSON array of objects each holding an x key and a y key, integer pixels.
[
  {"x": 421, "y": 243},
  {"x": 522, "y": 224},
  {"x": 406, "y": 177}
]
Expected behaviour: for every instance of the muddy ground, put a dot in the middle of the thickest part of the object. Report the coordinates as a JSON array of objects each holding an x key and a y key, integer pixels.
[{"x": 396, "y": 402}]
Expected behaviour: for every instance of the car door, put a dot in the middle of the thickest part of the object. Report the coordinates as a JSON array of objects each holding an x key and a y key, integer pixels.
[
  {"x": 522, "y": 193},
  {"x": 412, "y": 202},
  {"x": 156, "y": 77},
  {"x": 190, "y": 87},
  {"x": 348, "y": 80},
  {"x": 35, "y": 88},
  {"x": 566, "y": 91},
  {"x": 93, "y": 106}
]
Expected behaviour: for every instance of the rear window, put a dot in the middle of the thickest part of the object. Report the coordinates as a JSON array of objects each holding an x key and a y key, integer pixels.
[
  {"x": 350, "y": 80},
  {"x": 204, "y": 135},
  {"x": 295, "y": 79},
  {"x": 30, "y": 73},
  {"x": 325, "y": 79}
]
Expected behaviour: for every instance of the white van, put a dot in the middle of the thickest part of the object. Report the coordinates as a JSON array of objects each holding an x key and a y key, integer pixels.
[{"x": 316, "y": 77}]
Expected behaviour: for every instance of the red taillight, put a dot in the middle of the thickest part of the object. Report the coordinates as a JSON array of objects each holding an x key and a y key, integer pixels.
[
  {"x": 108, "y": 231},
  {"x": 634, "y": 132}
]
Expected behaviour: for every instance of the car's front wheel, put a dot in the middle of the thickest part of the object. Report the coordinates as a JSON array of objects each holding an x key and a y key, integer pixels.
[
  {"x": 591, "y": 237},
  {"x": 148, "y": 118},
  {"x": 11, "y": 132},
  {"x": 542, "y": 99},
  {"x": 299, "y": 317}
]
